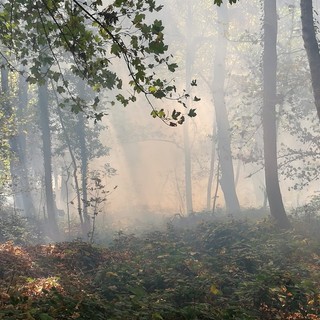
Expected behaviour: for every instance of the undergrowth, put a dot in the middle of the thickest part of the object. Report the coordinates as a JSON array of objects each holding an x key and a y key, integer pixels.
[{"x": 216, "y": 270}]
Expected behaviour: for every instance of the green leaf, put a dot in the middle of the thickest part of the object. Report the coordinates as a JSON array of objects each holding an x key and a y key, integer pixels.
[
  {"x": 192, "y": 113},
  {"x": 181, "y": 120},
  {"x": 196, "y": 99},
  {"x": 159, "y": 94},
  {"x": 55, "y": 76},
  {"x": 122, "y": 100},
  {"x": 175, "y": 114},
  {"x": 172, "y": 67},
  {"x": 194, "y": 83},
  {"x": 139, "y": 18},
  {"x": 219, "y": 2},
  {"x": 152, "y": 89},
  {"x": 134, "y": 42},
  {"x": 61, "y": 89},
  {"x": 161, "y": 113},
  {"x": 154, "y": 113},
  {"x": 115, "y": 49},
  {"x": 157, "y": 47},
  {"x": 157, "y": 26}
]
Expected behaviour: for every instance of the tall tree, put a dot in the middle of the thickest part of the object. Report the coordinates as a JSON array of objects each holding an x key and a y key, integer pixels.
[
  {"x": 212, "y": 168},
  {"x": 70, "y": 146},
  {"x": 9, "y": 114},
  {"x": 22, "y": 102},
  {"x": 269, "y": 118},
  {"x": 223, "y": 127},
  {"x": 18, "y": 168},
  {"x": 186, "y": 141},
  {"x": 43, "y": 105},
  {"x": 312, "y": 48},
  {"x": 84, "y": 168}
]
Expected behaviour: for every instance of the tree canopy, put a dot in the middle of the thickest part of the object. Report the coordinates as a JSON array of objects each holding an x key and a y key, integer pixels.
[{"x": 44, "y": 39}]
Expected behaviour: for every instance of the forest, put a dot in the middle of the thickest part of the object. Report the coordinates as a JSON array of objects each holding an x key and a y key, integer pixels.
[{"x": 159, "y": 159}]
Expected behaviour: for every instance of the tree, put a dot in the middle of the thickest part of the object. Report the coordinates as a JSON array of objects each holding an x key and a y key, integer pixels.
[
  {"x": 92, "y": 40},
  {"x": 18, "y": 169},
  {"x": 43, "y": 105},
  {"x": 12, "y": 141},
  {"x": 269, "y": 114},
  {"x": 92, "y": 36},
  {"x": 312, "y": 48},
  {"x": 81, "y": 143},
  {"x": 5, "y": 152},
  {"x": 189, "y": 55},
  {"x": 223, "y": 128},
  {"x": 21, "y": 106}
]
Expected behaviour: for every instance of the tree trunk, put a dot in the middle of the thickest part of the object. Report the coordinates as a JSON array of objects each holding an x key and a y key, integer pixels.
[
  {"x": 186, "y": 142},
  {"x": 8, "y": 111},
  {"x": 46, "y": 149},
  {"x": 22, "y": 103},
  {"x": 223, "y": 128},
  {"x": 74, "y": 173},
  {"x": 269, "y": 114},
  {"x": 312, "y": 48},
  {"x": 84, "y": 169},
  {"x": 211, "y": 171},
  {"x": 18, "y": 168}
]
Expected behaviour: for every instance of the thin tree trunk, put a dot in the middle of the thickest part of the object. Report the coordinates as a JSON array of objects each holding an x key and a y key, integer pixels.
[
  {"x": 47, "y": 158},
  {"x": 22, "y": 148},
  {"x": 211, "y": 171},
  {"x": 75, "y": 170},
  {"x": 312, "y": 48},
  {"x": 18, "y": 168},
  {"x": 215, "y": 196},
  {"x": 223, "y": 127},
  {"x": 7, "y": 107},
  {"x": 186, "y": 141},
  {"x": 187, "y": 169},
  {"x": 269, "y": 123},
  {"x": 84, "y": 169}
]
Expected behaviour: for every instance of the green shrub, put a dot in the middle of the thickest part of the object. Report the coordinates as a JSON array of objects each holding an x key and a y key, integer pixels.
[{"x": 19, "y": 229}]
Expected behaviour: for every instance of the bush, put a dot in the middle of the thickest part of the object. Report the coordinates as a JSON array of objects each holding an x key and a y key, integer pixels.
[{"x": 18, "y": 229}]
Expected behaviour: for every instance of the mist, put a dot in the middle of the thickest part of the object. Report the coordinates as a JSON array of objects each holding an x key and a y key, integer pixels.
[
  {"x": 148, "y": 170},
  {"x": 159, "y": 160},
  {"x": 149, "y": 156}
]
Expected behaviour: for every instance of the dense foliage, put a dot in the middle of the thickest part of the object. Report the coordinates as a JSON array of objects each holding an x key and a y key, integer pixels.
[
  {"x": 219, "y": 270},
  {"x": 42, "y": 40},
  {"x": 19, "y": 229}
]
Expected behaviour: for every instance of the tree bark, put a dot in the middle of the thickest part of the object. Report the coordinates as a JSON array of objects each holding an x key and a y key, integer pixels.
[
  {"x": 74, "y": 173},
  {"x": 43, "y": 105},
  {"x": 18, "y": 168},
  {"x": 84, "y": 169},
  {"x": 312, "y": 48},
  {"x": 223, "y": 127},
  {"x": 22, "y": 103},
  {"x": 269, "y": 114},
  {"x": 7, "y": 107},
  {"x": 211, "y": 170},
  {"x": 186, "y": 141}
]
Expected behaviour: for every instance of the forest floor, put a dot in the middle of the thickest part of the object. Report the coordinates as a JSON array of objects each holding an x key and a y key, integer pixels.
[{"x": 216, "y": 270}]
